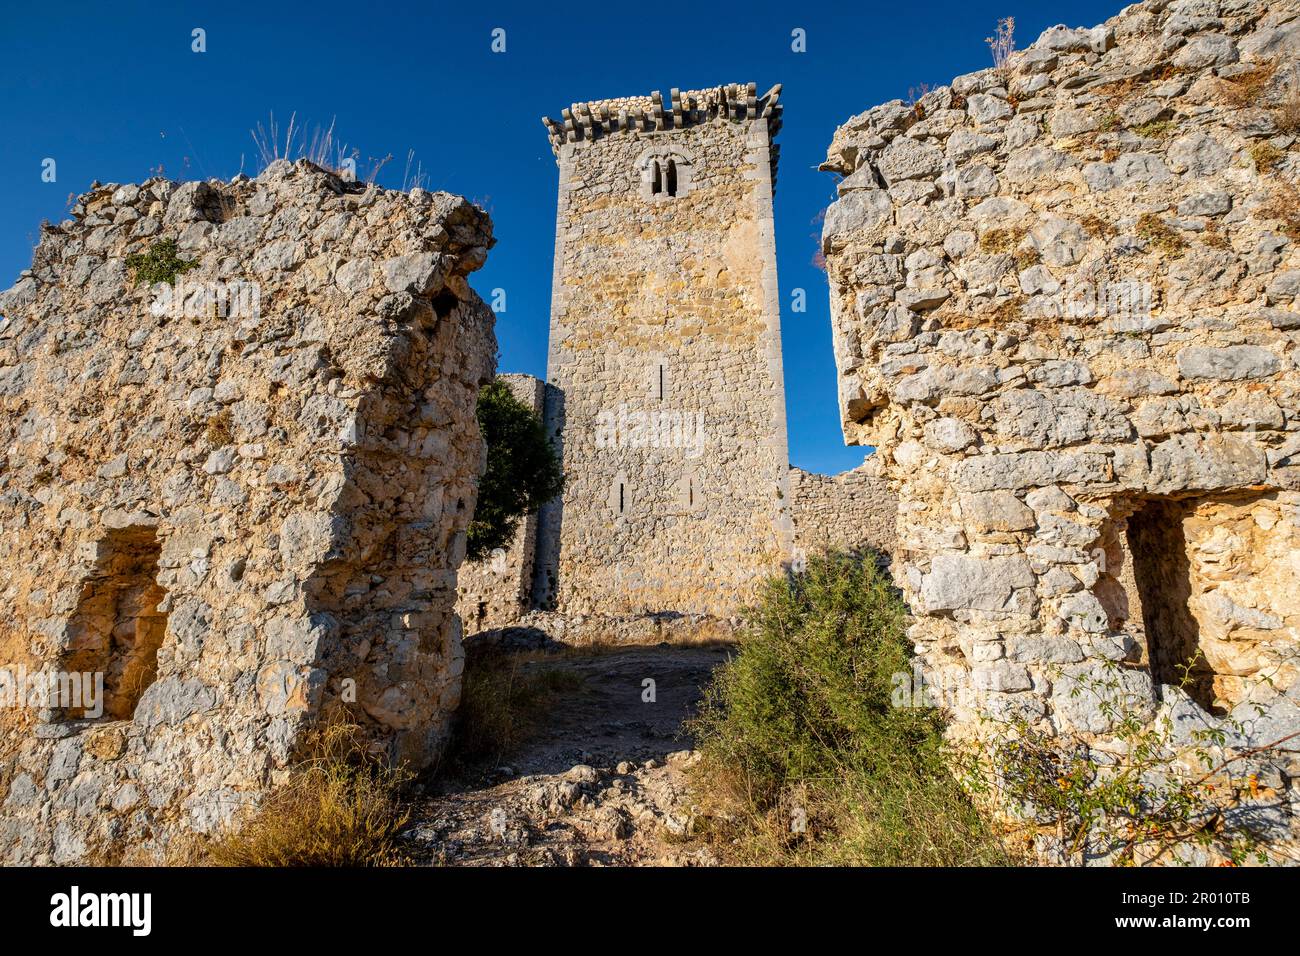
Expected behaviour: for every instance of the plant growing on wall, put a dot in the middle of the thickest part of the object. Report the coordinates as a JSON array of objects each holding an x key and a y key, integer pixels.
[
  {"x": 1157, "y": 793},
  {"x": 523, "y": 470},
  {"x": 160, "y": 264},
  {"x": 1002, "y": 44}
]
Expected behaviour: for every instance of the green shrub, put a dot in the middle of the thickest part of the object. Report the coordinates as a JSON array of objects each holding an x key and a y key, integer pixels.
[
  {"x": 523, "y": 471},
  {"x": 805, "y": 758},
  {"x": 160, "y": 264}
]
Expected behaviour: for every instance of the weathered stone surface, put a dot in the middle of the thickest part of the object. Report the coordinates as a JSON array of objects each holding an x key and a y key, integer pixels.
[
  {"x": 1091, "y": 700},
  {"x": 1230, "y": 364},
  {"x": 1053, "y": 419},
  {"x": 1108, "y": 390},
  {"x": 245, "y": 516},
  {"x": 986, "y": 584},
  {"x": 1196, "y": 463},
  {"x": 859, "y": 211},
  {"x": 996, "y": 511},
  {"x": 1031, "y": 469},
  {"x": 905, "y": 158},
  {"x": 949, "y": 434}
]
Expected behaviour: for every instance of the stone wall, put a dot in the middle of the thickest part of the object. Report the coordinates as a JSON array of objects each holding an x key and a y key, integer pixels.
[
  {"x": 665, "y": 355},
  {"x": 497, "y": 590},
  {"x": 1064, "y": 306},
  {"x": 244, "y": 509},
  {"x": 849, "y": 511}
]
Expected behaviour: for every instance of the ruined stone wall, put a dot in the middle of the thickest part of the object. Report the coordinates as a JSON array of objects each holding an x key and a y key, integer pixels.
[
  {"x": 849, "y": 511},
  {"x": 246, "y": 509},
  {"x": 665, "y": 354},
  {"x": 497, "y": 590},
  {"x": 1064, "y": 306}
]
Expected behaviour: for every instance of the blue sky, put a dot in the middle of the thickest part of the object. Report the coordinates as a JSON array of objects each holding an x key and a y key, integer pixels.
[{"x": 111, "y": 92}]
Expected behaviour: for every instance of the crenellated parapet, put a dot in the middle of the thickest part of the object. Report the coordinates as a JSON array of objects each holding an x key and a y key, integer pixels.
[{"x": 637, "y": 115}]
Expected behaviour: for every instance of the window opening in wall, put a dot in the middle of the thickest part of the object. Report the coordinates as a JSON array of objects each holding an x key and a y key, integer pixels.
[
  {"x": 672, "y": 177},
  {"x": 1162, "y": 573},
  {"x": 117, "y": 627},
  {"x": 657, "y": 183},
  {"x": 661, "y": 383},
  {"x": 620, "y": 497}
]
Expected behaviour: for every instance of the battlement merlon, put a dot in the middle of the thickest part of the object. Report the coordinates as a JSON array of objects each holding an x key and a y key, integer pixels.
[{"x": 648, "y": 114}]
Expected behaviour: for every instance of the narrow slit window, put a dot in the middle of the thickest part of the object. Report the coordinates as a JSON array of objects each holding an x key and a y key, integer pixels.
[
  {"x": 620, "y": 497},
  {"x": 656, "y": 183},
  {"x": 672, "y": 177},
  {"x": 661, "y": 383}
]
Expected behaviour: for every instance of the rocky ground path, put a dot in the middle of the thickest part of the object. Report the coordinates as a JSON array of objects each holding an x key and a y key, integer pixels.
[{"x": 602, "y": 783}]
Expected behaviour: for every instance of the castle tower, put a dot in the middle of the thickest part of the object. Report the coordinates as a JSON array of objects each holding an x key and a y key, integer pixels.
[{"x": 665, "y": 356}]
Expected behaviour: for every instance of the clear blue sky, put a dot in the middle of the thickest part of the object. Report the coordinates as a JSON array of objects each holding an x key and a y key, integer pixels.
[{"x": 111, "y": 91}]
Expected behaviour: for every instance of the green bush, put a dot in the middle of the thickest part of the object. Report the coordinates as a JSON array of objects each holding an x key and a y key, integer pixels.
[
  {"x": 805, "y": 760},
  {"x": 160, "y": 264},
  {"x": 523, "y": 471}
]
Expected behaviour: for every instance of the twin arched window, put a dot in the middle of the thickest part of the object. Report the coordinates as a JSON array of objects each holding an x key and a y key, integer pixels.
[
  {"x": 664, "y": 173},
  {"x": 664, "y": 179}
]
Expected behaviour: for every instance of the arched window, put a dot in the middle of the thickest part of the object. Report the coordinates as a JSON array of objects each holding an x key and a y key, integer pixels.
[{"x": 664, "y": 173}]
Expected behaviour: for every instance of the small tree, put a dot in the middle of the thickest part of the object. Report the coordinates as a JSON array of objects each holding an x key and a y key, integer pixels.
[{"x": 523, "y": 470}]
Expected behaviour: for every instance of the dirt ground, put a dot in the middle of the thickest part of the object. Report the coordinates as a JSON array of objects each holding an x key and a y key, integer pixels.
[{"x": 601, "y": 783}]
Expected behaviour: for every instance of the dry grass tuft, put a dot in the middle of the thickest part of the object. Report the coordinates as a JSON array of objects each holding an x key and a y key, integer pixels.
[
  {"x": 1156, "y": 129},
  {"x": 1213, "y": 238},
  {"x": 1094, "y": 225},
  {"x": 1249, "y": 88},
  {"x": 339, "y": 808},
  {"x": 1002, "y": 44},
  {"x": 1001, "y": 240},
  {"x": 1160, "y": 234},
  {"x": 504, "y": 698},
  {"x": 1266, "y": 156},
  {"x": 1287, "y": 115},
  {"x": 1284, "y": 206},
  {"x": 1025, "y": 257},
  {"x": 321, "y": 146},
  {"x": 218, "y": 429}
]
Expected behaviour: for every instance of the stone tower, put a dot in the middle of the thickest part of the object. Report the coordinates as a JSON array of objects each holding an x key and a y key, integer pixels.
[{"x": 665, "y": 356}]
